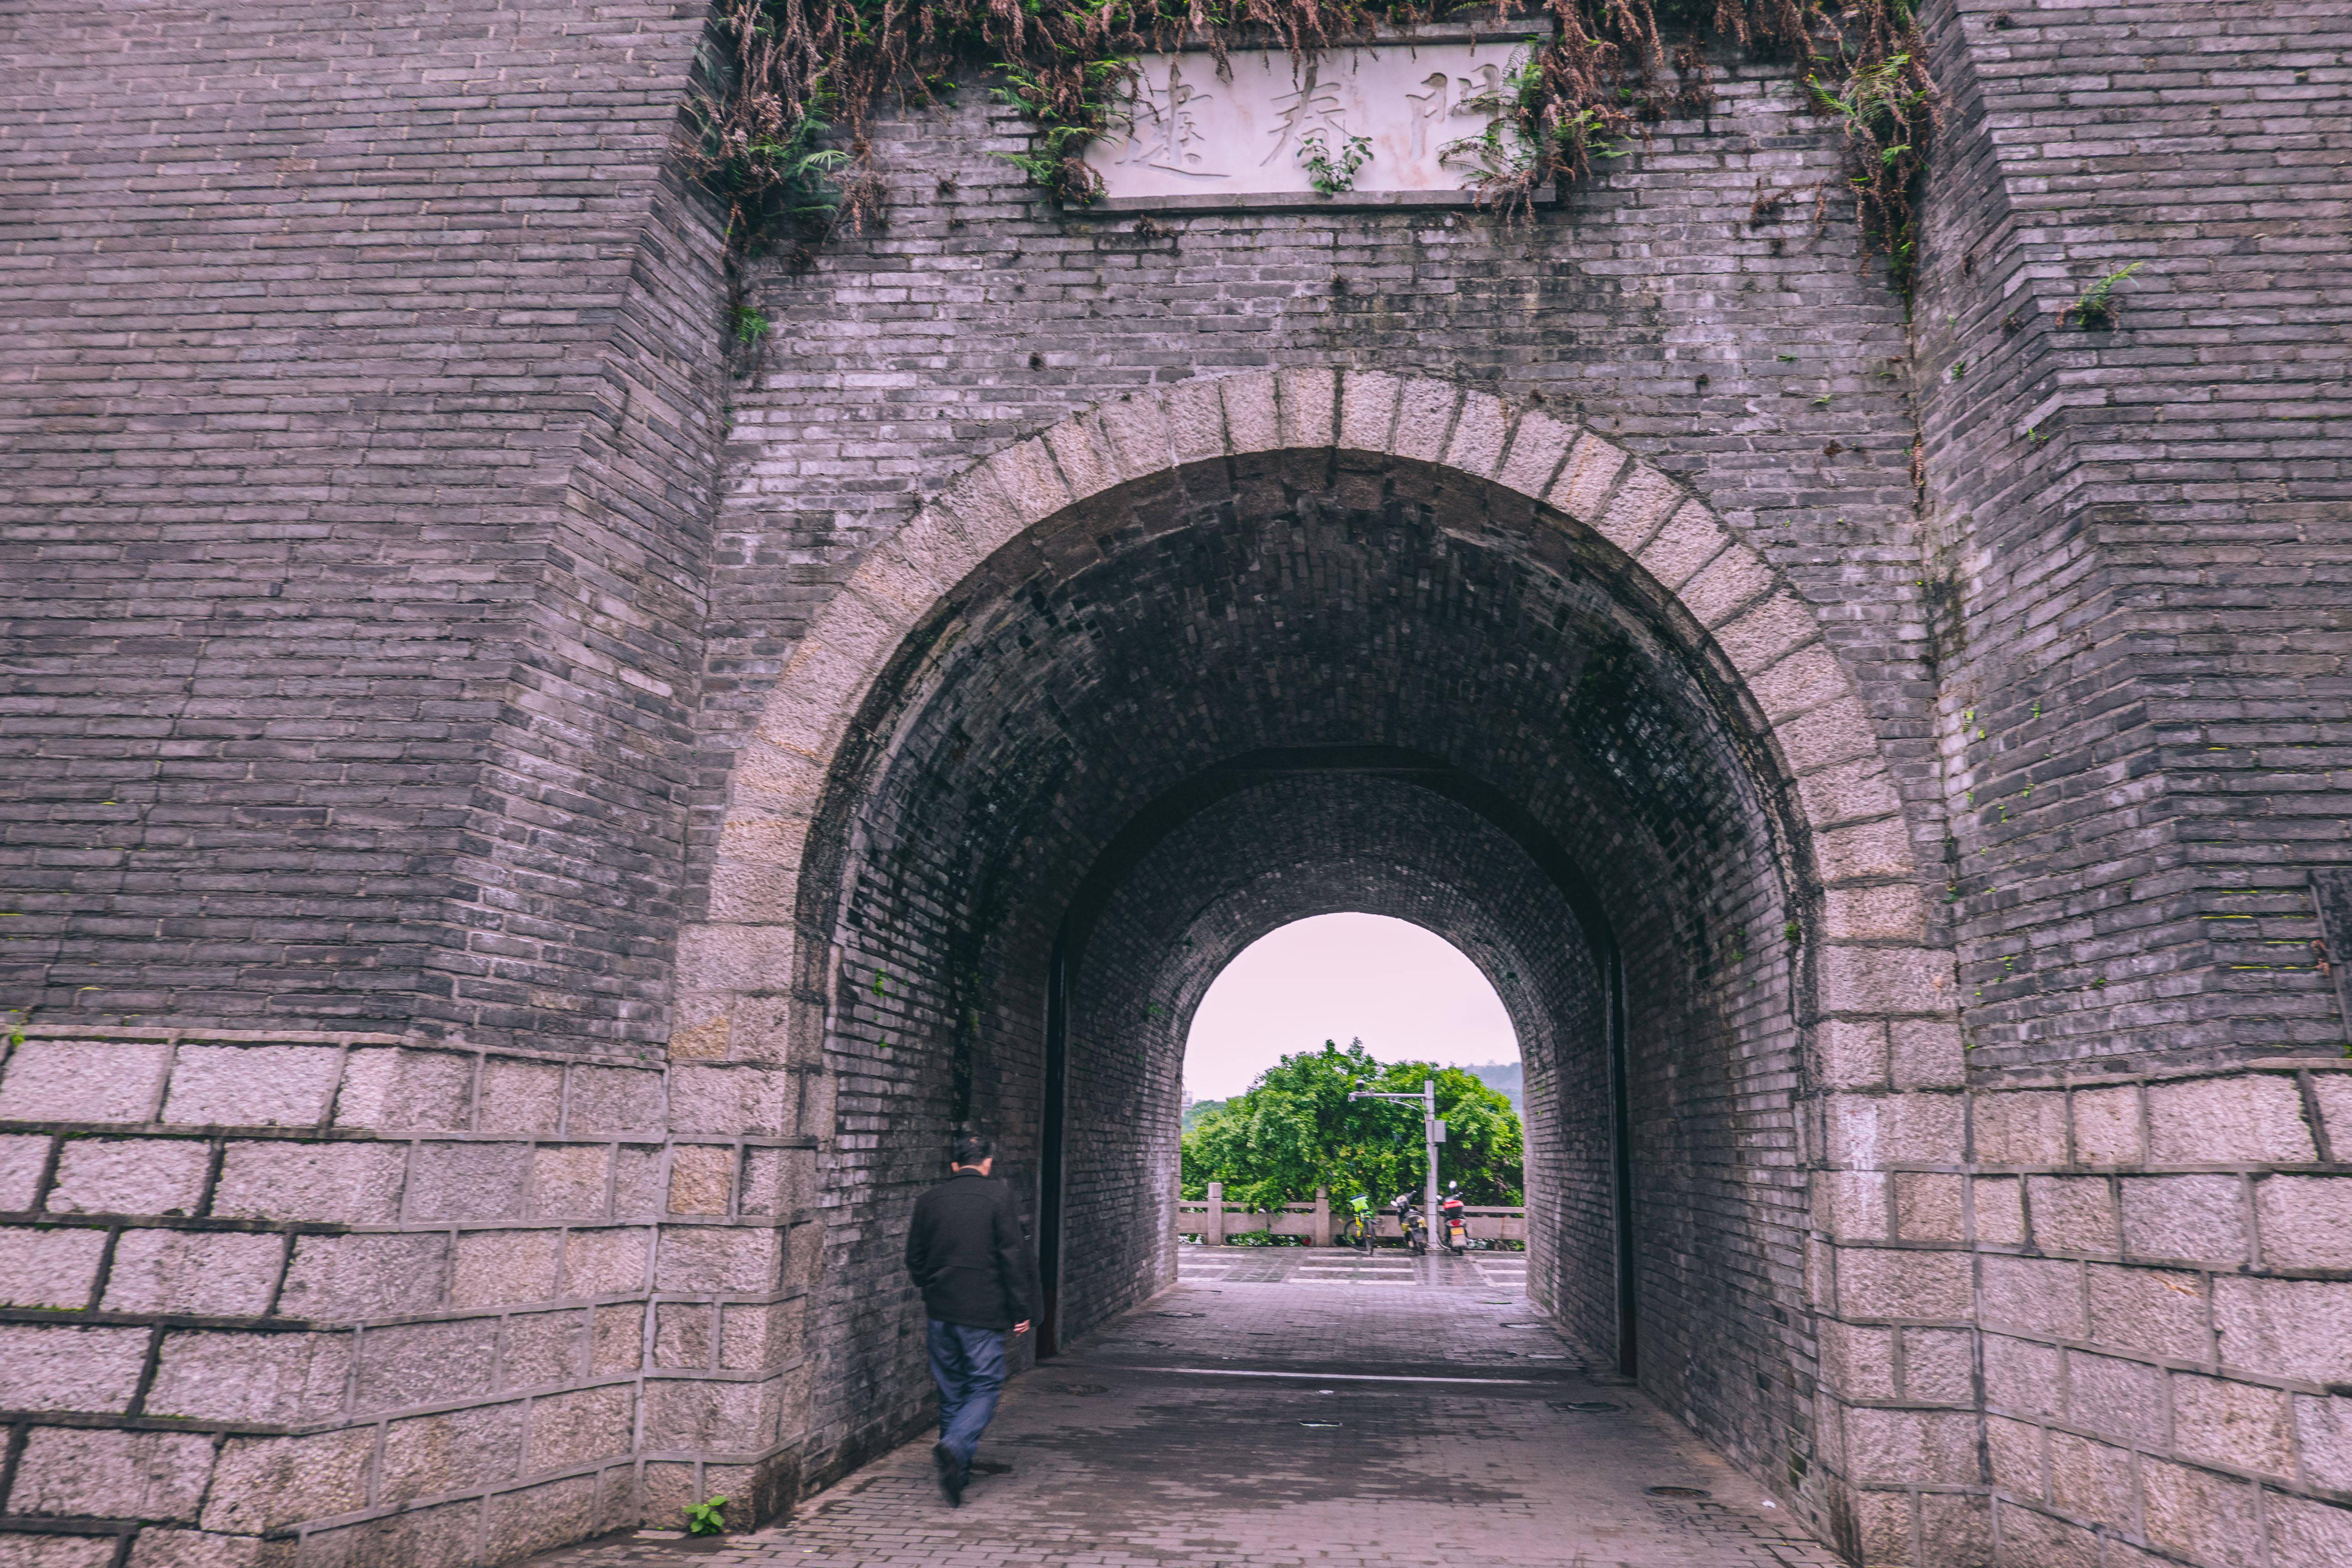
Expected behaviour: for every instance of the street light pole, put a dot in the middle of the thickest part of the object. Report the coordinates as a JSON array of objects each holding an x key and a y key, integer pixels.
[{"x": 1429, "y": 1140}]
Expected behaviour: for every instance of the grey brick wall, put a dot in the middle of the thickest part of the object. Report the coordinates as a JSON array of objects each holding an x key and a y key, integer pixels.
[{"x": 361, "y": 426}]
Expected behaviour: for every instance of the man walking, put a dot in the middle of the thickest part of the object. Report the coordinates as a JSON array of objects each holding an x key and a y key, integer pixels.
[{"x": 964, "y": 1250}]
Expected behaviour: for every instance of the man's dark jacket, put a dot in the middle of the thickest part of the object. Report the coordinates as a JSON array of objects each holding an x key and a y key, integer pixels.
[{"x": 965, "y": 1252}]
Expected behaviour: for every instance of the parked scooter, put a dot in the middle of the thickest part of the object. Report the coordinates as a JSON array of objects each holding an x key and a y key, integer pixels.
[
  {"x": 1409, "y": 1220},
  {"x": 1454, "y": 1223}
]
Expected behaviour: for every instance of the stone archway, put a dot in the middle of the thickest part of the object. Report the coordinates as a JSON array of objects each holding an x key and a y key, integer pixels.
[{"x": 1860, "y": 1009}]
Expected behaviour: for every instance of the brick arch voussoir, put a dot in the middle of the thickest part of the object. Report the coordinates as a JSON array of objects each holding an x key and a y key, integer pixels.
[{"x": 1727, "y": 600}]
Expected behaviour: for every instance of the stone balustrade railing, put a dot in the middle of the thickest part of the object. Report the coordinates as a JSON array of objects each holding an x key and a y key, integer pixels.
[{"x": 1213, "y": 1220}]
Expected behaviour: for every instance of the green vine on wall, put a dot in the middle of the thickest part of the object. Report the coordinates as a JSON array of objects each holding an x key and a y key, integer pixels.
[{"x": 780, "y": 128}]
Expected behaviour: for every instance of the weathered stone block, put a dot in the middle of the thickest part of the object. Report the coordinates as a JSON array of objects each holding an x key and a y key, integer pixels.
[
  {"x": 1930, "y": 1208},
  {"x": 2305, "y": 1533},
  {"x": 218, "y": 1274},
  {"x": 23, "y": 1157},
  {"x": 82, "y": 1081},
  {"x": 568, "y": 1430},
  {"x": 2093, "y": 1480},
  {"x": 2014, "y": 1451},
  {"x": 701, "y": 1178},
  {"x": 1539, "y": 444},
  {"x": 457, "y": 1451},
  {"x": 570, "y": 1181},
  {"x": 684, "y": 1415},
  {"x": 1861, "y": 980},
  {"x": 2023, "y": 1378},
  {"x": 1852, "y": 1206},
  {"x": 620, "y": 1100},
  {"x": 468, "y": 1181},
  {"x": 538, "y": 1350},
  {"x": 53, "y": 1268},
  {"x": 779, "y": 1182},
  {"x": 2323, "y": 1436},
  {"x": 736, "y": 1259},
  {"x": 519, "y": 1097},
  {"x": 253, "y": 1086},
  {"x": 2221, "y": 1421},
  {"x": 69, "y": 1471},
  {"x": 682, "y": 1335},
  {"x": 1583, "y": 485},
  {"x": 266, "y": 1483},
  {"x": 389, "y": 1089},
  {"x": 340, "y": 1184},
  {"x": 450, "y": 1533},
  {"x": 1424, "y": 419},
  {"x": 760, "y": 1338},
  {"x": 2033, "y": 1296},
  {"x": 1690, "y": 538},
  {"x": 537, "y": 1518},
  {"x": 606, "y": 1262},
  {"x": 2018, "y": 1128},
  {"x": 28, "y": 1551},
  {"x": 2306, "y": 1221},
  {"x": 2199, "y": 1219},
  {"x": 2284, "y": 1328},
  {"x": 2108, "y": 1127},
  {"x": 733, "y": 1101},
  {"x": 2151, "y": 1311},
  {"x": 353, "y": 1278},
  {"x": 1924, "y": 1054},
  {"x": 425, "y": 1364},
  {"x": 1940, "y": 1365},
  {"x": 2074, "y": 1214},
  {"x": 2118, "y": 1399},
  {"x": 640, "y": 1189},
  {"x": 504, "y": 1267},
  {"x": 1876, "y": 1131},
  {"x": 1480, "y": 431},
  {"x": 2213, "y": 1519},
  {"x": 1368, "y": 403},
  {"x": 2253, "y": 1118},
  {"x": 2031, "y": 1540},
  {"x": 208, "y": 1374},
  {"x": 1852, "y": 1054},
  {"x": 1999, "y": 1203},
  {"x": 617, "y": 1339},
  {"x": 160, "y": 1548},
  {"x": 1878, "y": 1282},
  {"x": 1911, "y": 1446},
  {"x": 129, "y": 1177}
]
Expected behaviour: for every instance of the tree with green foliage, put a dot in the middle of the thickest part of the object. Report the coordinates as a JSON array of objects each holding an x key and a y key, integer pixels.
[{"x": 1295, "y": 1130}]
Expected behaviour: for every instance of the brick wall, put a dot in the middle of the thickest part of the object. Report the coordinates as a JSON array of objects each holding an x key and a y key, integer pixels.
[{"x": 361, "y": 403}]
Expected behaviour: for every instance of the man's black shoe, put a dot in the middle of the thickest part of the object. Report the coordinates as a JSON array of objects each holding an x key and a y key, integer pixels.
[{"x": 951, "y": 1474}]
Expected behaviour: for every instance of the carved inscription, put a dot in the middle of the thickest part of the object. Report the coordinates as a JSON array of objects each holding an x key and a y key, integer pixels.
[{"x": 1276, "y": 125}]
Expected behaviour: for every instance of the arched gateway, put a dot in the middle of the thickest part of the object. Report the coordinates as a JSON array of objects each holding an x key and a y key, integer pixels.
[
  {"x": 1129, "y": 694},
  {"x": 521, "y": 830}
]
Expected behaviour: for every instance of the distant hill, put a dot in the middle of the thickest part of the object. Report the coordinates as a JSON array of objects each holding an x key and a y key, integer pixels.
[
  {"x": 1196, "y": 1109},
  {"x": 1504, "y": 1076}
]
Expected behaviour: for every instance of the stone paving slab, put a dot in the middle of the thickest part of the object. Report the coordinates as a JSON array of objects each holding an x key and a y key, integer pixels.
[{"x": 1294, "y": 1422}]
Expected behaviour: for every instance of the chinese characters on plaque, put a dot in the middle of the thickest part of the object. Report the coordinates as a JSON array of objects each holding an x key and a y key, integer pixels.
[{"x": 1186, "y": 133}]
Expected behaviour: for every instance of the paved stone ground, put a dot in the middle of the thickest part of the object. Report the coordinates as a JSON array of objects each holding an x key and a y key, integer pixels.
[{"x": 1265, "y": 1413}]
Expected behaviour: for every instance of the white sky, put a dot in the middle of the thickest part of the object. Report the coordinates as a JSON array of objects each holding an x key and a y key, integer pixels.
[{"x": 1407, "y": 993}]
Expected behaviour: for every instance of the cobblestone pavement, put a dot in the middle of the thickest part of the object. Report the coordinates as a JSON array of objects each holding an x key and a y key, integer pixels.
[{"x": 1269, "y": 1412}]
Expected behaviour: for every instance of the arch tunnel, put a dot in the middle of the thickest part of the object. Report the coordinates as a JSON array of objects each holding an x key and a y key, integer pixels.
[{"x": 1135, "y": 731}]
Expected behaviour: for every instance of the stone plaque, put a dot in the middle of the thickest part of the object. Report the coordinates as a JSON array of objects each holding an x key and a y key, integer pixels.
[{"x": 1187, "y": 137}]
